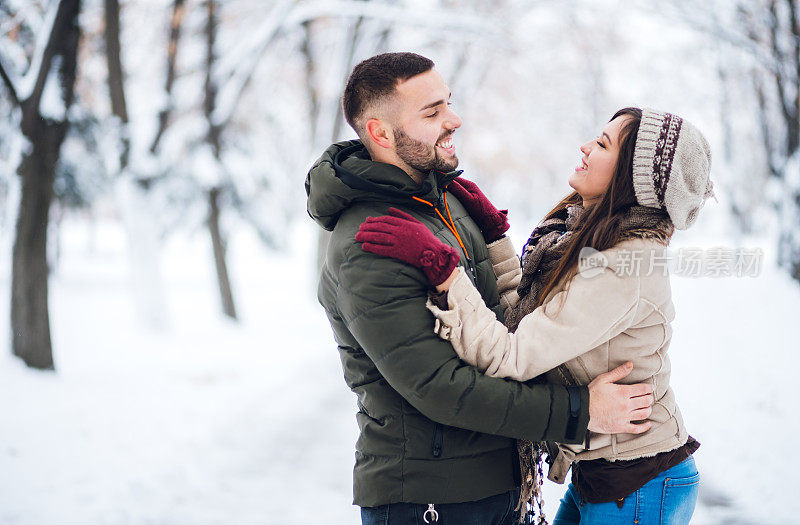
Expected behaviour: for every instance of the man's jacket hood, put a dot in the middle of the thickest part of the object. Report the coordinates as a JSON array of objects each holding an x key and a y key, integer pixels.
[{"x": 346, "y": 174}]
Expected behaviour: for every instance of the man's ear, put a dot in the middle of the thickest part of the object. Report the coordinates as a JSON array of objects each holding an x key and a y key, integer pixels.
[{"x": 379, "y": 133}]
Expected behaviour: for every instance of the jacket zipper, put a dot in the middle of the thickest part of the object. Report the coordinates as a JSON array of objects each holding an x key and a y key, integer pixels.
[
  {"x": 451, "y": 225},
  {"x": 437, "y": 440},
  {"x": 470, "y": 264},
  {"x": 432, "y": 512}
]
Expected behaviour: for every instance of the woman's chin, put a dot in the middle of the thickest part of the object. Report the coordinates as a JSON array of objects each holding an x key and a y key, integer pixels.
[{"x": 577, "y": 188}]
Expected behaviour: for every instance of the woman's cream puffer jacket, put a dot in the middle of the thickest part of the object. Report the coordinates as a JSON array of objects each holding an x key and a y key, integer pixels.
[{"x": 617, "y": 308}]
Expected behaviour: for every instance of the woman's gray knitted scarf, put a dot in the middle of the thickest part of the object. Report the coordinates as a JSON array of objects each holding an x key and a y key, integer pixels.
[
  {"x": 541, "y": 255},
  {"x": 548, "y": 244}
]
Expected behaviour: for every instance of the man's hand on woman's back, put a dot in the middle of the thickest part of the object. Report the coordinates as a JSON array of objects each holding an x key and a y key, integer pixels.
[{"x": 613, "y": 407}]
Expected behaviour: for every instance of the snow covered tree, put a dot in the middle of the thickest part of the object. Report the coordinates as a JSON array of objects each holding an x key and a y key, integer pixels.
[
  {"x": 774, "y": 26},
  {"x": 755, "y": 55},
  {"x": 132, "y": 187},
  {"x": 758, "y": 53},
  {"x": 42, "y": 96}
]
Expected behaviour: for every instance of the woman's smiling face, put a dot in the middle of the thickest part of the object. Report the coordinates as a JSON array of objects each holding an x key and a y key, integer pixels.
[{"x": 593, "y": 175}]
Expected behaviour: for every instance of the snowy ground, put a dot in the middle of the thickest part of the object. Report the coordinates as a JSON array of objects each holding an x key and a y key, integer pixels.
[{"x": 251, "y": 423}]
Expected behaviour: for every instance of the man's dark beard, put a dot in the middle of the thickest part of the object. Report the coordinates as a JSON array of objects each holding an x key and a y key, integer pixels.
[{"x": 420, "y": 156}]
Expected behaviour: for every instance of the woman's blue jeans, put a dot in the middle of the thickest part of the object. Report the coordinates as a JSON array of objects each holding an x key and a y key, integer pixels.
[{"x": 668, "y": 499}]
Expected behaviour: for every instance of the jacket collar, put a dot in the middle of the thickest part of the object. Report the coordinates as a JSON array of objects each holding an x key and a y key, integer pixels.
[
  {"x": 345, "y": 174},
  {"x": 354, "y": 167}
]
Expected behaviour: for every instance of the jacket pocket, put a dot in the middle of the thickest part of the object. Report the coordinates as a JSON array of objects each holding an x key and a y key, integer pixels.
[{"x": 436, "y": 446}]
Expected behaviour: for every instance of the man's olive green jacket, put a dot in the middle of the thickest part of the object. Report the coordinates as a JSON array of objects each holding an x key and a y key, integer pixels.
[{"x": 433, "y": 429}]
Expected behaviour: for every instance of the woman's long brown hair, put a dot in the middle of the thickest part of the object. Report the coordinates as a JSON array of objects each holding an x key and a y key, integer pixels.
[{"x": 598, "y": 227}]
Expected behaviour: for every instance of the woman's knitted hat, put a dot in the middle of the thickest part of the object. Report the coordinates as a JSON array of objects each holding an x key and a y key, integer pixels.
[{"x": 671, "y": 167}]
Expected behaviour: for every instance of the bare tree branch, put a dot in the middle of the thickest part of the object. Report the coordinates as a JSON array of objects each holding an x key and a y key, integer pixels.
[
  {"x": 114, "y": 61},
  {"x": 355, "y": 32},
  {"x": 794, "y": 28},
  {"x": 32, "y": 85},
  {"x": 176, "y": 21},
  {"x": 116, "y": 78},
  {"x": 708, "y": 23},
  {"x": 8, "y": 82},
  {"x": 778, "y": 74},
  {"x": 310, "y": 69},
  {"x": 234, "y": 74},
  {"x": 763, "y": 120},
  {"x": 440, "y": 19},
  {"x": 233, "y": 77}
]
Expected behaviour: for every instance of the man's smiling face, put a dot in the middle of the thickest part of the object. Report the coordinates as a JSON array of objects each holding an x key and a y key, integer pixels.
[{"x": 423, "y": 124}]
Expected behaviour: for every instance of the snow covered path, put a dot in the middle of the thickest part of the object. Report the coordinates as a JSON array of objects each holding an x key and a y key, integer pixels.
[
  {"x": 215, "y": 423},
  {"x": 208, "y": 423}
]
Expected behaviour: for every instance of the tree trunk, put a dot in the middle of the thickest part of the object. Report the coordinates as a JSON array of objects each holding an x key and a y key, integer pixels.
[
  {"x": 219, "y": 255},
  {"x": 116, "y": 80},
  {"x": 30, "y": 319},
  {"x": 176, "y": 20},
  {"x": 791, "y": 208},
  {"x": 139, "y": 220},
  {"x": 213, "y": 138}
]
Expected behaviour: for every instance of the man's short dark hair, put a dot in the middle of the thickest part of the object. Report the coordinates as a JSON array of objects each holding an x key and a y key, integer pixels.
[{"x": 376, "y": 78}]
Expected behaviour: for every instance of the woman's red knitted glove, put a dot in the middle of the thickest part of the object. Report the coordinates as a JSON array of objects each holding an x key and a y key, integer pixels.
[
  {"x": 401, "y": 236},
  {"x": 492, "y": 222}
]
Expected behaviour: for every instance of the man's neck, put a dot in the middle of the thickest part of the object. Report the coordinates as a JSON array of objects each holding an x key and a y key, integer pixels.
[{"x": 415, "y": 175}]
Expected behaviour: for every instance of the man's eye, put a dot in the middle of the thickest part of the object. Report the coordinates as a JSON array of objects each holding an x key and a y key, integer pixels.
[{"x": 432, "y": 114}]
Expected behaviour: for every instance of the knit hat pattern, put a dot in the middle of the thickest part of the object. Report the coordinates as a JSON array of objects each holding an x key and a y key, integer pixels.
[{"x": 671, "y": 167}]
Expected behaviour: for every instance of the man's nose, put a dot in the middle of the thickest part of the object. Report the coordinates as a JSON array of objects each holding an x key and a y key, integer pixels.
[{"x": 453, "y": 121}]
